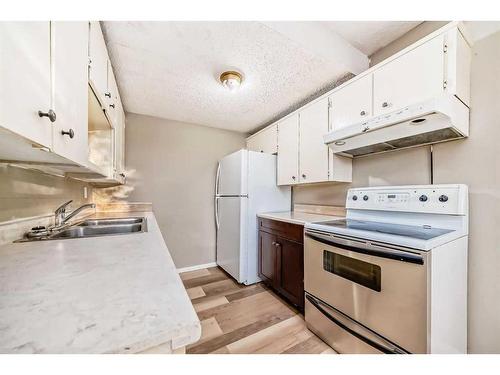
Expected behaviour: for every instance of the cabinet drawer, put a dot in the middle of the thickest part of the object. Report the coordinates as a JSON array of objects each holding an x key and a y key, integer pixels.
[{"x": 294, "y": 232}]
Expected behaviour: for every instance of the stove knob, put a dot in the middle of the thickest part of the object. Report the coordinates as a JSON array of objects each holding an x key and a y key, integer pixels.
[
  {"x": 443, "y": 198},
  {"x": 423, "y": 198},
  {"x": 365, "y": 197},
  {"x": 354, "y": 197}
]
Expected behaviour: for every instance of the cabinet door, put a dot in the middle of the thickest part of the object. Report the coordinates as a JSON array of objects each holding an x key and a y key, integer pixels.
[
  {"x": 25, "y": 80},
  {"x": 313, "y": 152},
  {"x": 98, "y": 54},
  {"x": 288, "y": 151},
  {"x": 414, "y": 77},
  {"x": 351, "y": 104},
  {"x": 266, "y": 141},
  {"x": 112, "y": 98},
  {"x": 291, "y": 270},
  {"x": 267, "y": 257},
  {"x": 119, "y": 130},
  {"x": 70, "y": 89}
]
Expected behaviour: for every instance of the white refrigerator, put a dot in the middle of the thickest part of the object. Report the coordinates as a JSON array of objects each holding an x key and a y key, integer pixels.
[{"x": 245, "y": 186}]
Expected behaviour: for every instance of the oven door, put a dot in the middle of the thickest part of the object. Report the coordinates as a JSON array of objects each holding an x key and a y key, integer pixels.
[{"x": 382, "y": 287}]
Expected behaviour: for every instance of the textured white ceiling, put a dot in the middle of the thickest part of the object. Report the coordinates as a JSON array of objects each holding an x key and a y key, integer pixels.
[
  {"x": 170, "y": 69},
  {"x": 370, "y": 36}
]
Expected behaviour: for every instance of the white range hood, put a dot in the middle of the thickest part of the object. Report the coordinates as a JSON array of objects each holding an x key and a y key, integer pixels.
[{"x": 437, "y": 120}]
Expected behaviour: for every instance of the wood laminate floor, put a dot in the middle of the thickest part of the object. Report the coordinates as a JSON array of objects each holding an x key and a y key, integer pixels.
[{"x": 245, "y": 319}]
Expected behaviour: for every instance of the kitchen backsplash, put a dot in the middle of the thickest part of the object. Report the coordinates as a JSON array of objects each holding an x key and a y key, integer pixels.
[{"x": 27, "y": 193}]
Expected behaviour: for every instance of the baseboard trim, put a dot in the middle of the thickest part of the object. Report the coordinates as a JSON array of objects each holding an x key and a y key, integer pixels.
[{"x": 194, "y": 268}]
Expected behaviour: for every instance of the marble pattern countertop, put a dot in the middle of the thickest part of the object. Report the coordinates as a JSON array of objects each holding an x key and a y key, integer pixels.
[
  {"x": 296, "y": 217},
  {"x": 112, "y": 294}
]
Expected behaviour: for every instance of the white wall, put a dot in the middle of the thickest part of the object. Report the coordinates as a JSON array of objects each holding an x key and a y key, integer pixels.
[
  {"x": 173, "y": 165},
  {"x": 474, "y": 161}
]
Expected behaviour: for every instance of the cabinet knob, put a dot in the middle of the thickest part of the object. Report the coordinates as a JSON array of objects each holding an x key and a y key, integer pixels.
[
  {"x": 293, "y": 177},
  {"x": 112, "y": 105},
  {"x": 365, "y": 129},
  {"x": 50, "y": 114},
  {"x": 303, "y": 176},
  {"x": 108, "y": 94},
  {"x": 70, "y": 132},
  {"x": 362, "y": 113},
  {"x": 122, "y": 174},
  {"x": 385, "y": 104}
]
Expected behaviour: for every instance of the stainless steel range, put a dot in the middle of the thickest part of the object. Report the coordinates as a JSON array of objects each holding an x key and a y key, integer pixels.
[{"x": 392, "y": 276}]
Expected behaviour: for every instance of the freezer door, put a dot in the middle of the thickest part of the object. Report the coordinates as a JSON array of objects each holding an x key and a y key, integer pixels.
[
  {"x": 231, "y": 236},
  {"x": 232, "y": 174}
]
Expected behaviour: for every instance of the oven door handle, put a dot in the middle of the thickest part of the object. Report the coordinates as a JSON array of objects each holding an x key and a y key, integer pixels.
[
  {"x": 376, "y": 341},
  {"x": 366, "y": 248}
]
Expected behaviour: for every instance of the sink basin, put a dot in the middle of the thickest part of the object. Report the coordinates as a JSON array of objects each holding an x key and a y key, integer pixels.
[
  {"x": 96, "y": 228},
  {"x": 94, "y": 231},
  {"x": 113, "y": 221}
]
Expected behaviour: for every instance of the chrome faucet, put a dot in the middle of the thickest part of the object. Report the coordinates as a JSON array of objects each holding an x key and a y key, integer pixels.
[{"x": 60, "y": 214}]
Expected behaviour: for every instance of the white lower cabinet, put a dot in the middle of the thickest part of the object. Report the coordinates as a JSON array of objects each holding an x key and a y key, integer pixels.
[
  {"x": 288, "y": 146},
  {"x": 313, "y": 152},
  {"x": 25, "y": 80},
  {"x": 70, "y": 82},
  {"x": 265, "y": 141}
]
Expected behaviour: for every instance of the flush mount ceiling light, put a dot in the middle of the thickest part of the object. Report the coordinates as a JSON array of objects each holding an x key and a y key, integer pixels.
[{"x": 231, "y": 80}]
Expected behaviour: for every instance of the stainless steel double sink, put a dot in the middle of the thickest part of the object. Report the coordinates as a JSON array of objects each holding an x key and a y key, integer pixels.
[{"x": 97, "y": 228}]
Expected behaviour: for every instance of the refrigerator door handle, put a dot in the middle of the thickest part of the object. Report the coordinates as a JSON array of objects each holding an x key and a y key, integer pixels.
[
  {"x": 217, "y": 223},
  {"x": 217, "y": 177}
]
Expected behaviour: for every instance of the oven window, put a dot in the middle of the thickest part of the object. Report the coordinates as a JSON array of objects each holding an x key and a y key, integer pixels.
[{"x": 360, "y": 272}]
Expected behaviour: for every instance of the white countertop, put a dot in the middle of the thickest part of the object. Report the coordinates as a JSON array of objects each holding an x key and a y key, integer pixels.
[
  {"x": 297, "y": 217},
  {"x": 112, "y": 294}
]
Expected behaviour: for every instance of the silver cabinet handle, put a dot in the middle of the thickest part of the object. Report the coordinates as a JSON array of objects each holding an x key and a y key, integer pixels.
[
  {"x": 362, "y": 113},
  {"x": 365, "y": 129},
  {"x": 108, "y": 94},
  {"x": 112, "y": 106},
  {"x": 70, "y": 133},
  {"x": 50, "y": 114}
]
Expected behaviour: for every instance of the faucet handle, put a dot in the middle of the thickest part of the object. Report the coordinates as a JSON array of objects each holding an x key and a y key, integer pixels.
[{"x": 62, "y": 207}]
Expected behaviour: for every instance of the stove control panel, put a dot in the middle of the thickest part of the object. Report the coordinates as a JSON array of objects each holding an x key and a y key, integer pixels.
[{"x": 446, "y": 199}]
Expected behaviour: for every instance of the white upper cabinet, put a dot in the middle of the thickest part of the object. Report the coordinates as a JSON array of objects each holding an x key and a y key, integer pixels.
[
  {"x": 313, "y": 153},
  {"x": 352, "y": 104},
  {"x": 98, "y": 55},
  {"x": 121, "y": 144},
  {"x": 288, "y": 146},
  {"x": 416, "y": 76},
  {"x": 25, "y": 80},
  {"x": 70, "y": 88},
  {"x": 112, "y": 98},
  {"x": 265, "y": 141}
]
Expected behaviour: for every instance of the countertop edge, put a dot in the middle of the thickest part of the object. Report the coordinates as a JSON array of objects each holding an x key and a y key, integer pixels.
[{"x": 282, "y": 216}]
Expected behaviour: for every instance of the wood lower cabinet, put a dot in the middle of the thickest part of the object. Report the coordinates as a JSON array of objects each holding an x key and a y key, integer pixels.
[{"x": 281, "y": 259}]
